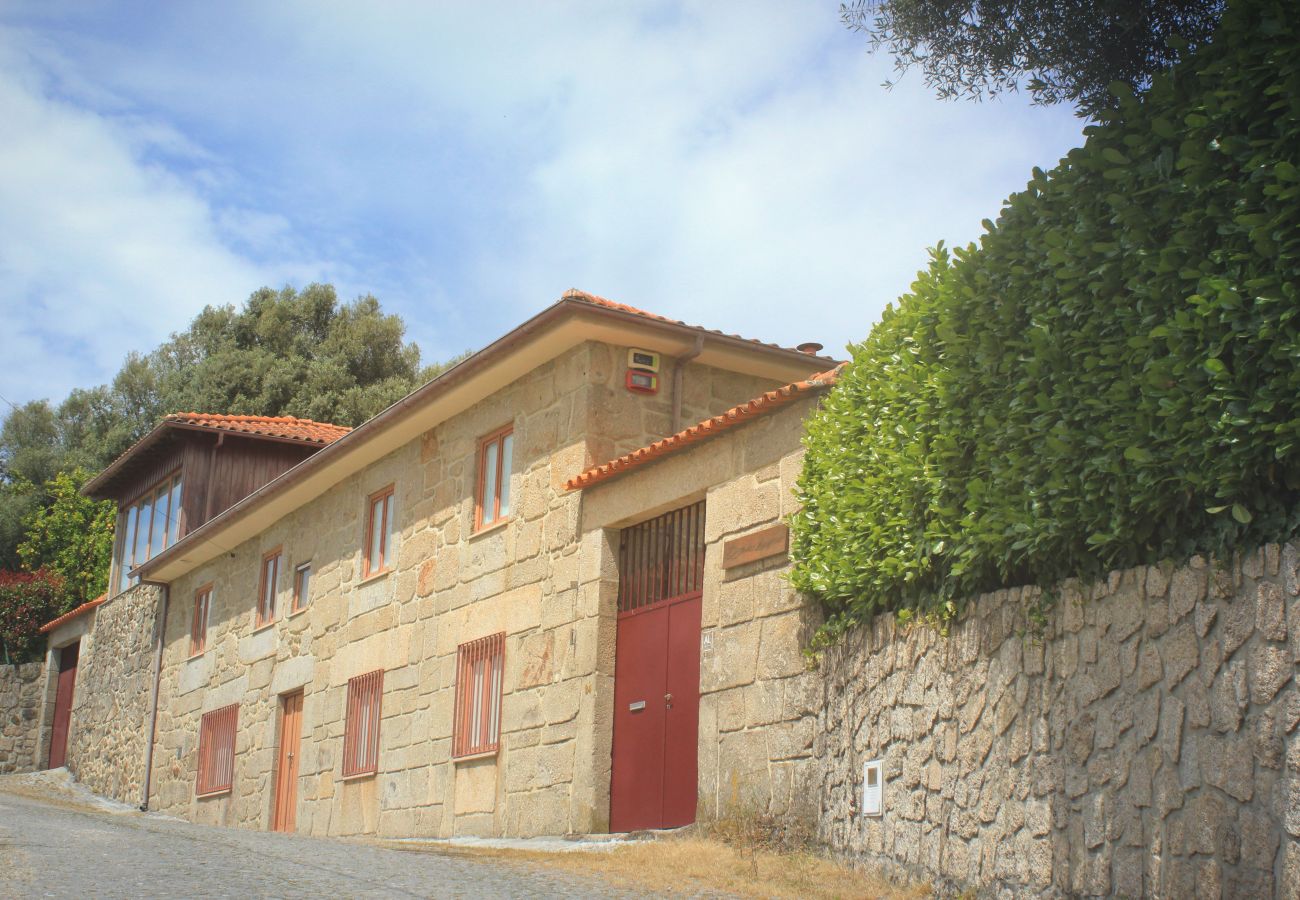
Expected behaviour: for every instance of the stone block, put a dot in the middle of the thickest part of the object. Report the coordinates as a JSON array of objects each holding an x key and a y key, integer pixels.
[
  {"x": 1270, "y": 669},
  {"x": 1179, "y": 654}
]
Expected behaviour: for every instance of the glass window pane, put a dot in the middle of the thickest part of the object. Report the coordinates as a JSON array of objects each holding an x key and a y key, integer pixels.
[
  {"x": 388, "y": 528},
  {"x": 124, "y": 550},
  {"x": 158, "y": 534},
  {"x": 376, "y": 530},
  {"x": 302, "y": 592},
  {"x": 490, "y": 483},
  {"x": 507, "y": 443},
  {"x": 142, "y": 533},
  {"x": 174, "y": 526}
]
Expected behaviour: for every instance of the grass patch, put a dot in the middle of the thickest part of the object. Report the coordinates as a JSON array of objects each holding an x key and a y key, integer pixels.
[{"x": 745, "y": 856}]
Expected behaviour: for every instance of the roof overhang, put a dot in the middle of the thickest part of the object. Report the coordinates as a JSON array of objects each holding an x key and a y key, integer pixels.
[{"x": 551, "y": 333}]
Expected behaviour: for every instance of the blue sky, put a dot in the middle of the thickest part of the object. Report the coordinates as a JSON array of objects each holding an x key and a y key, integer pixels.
[{"x": 734, "y": 165}]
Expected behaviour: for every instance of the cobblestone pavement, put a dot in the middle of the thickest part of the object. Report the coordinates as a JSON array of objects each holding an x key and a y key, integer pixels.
[{"x": 52, "y": 849}]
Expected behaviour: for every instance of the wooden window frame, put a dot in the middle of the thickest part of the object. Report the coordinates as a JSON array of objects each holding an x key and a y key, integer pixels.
[
  {"x": 299, "y": 601},
  {"x": 265, "y": 615},
  {"x": 218, "y": 730},
  {"x": 498, "y": 439},
  {"x": 481, "y": 712},
  {"x": 361, "y": 739},
  {"x": 124, "y": 548},
  {"x": 368, "y": 566},
  {"x": 199, "y": 620}
]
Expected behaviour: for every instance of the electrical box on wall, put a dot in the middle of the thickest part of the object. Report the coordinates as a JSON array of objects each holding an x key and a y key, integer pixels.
[
  {"x": 642, "y": 382},
  {"x": 643, "y": 359},
  {"x": 873, "y": 788}
]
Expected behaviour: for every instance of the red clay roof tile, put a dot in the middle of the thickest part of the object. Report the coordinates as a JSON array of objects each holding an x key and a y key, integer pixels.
[
  {"x": 73, "y": 613},
  {"x": 701, "y": 431},
  {"x": 286, "y": 427}
]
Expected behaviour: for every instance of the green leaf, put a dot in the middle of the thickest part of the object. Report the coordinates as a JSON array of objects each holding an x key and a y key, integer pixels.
[{"x": 1241, "y": 514}]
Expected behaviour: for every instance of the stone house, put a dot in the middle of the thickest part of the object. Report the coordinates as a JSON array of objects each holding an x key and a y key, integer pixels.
[{"x": 522, "y": 600}]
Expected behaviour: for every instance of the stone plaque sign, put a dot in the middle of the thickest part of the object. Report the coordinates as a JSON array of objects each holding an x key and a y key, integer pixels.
[{"x": 749, "y": 548}]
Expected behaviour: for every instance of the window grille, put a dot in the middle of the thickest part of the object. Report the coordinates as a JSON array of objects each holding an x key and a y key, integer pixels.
[
  {"x": 361, "y": 727},
  {"x": 217, "y": 731},
  {"x": 661, "y": 559},
  {"x": 480, "y": 666}
]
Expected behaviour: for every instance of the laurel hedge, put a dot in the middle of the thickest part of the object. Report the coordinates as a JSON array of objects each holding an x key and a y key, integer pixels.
[{"x": 1111, "y": 377}]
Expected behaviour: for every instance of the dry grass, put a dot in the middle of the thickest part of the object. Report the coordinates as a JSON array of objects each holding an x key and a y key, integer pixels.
[{"x": 750, "y": 857}]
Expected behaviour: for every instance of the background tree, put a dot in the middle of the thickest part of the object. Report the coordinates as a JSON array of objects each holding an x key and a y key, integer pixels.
[
  {"x": 71, "y": 537},
  {"x": 1060, "y": 50},
  {"x": 284, "y": 353},
  {"x": 27, "y": 601}
]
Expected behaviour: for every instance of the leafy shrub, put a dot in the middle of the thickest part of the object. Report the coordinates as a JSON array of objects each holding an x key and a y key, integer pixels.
[
  {"x": 1112, "y": 377},
  {"x": 27, "y": 601},
  {"x": 72, "y": 536}
]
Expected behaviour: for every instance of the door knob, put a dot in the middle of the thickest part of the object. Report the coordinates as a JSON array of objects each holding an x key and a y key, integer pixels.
[{"x": 668, "y": 698}]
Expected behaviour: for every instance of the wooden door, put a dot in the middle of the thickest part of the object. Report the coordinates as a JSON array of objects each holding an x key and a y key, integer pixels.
[
  {"x": 63, "y": 704},
  {"x": 283, "y": 818},
  {"x": 654, "y": 770}
]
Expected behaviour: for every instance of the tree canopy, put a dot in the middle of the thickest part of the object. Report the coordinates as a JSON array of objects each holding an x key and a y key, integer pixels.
[
  {"x": 1059, "y": 50},
  {"x": 287, "y": 352}
]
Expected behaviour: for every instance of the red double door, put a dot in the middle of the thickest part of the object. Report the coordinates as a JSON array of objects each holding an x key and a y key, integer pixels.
[{"x": 654, "y": 775}]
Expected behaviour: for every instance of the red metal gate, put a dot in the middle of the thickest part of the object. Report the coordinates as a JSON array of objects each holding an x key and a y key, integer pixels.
[
  {"x": 63, "y": 704},
  {"x": 657, "y": 672}
]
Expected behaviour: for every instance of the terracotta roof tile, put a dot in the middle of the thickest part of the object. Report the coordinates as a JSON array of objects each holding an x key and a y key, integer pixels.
[
  {"x": 701, "y": 431},
  {"x": 268, "y": 426},
  {"x": 583, "y": 296},
  {"x": 73, "y": 613}
]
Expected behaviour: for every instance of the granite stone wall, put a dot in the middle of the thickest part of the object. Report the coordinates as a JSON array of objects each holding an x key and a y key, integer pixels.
[
  {"x": 20, "y": 698},
  {"x": 110, "y": 703},
  {"x": 1142, "y": 742}
]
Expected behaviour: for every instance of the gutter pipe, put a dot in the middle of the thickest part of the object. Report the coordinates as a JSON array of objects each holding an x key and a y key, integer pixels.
[
  {"x": 153, "y": 700},
  {"x": 679, "y": 369}
]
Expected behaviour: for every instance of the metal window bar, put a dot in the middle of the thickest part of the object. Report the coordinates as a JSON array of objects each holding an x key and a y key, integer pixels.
[
  {"x": 661, "y": 559},
  {"x": 216, "y": 769},
  {"x": 479, "y": 676},
  {"x": 361, "y": 724}
]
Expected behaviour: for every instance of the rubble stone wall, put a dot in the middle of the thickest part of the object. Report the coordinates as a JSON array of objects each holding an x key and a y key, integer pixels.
[
  {"x": 20, "y": 700},
  {"x": 109, "y": 730},
  {"x": 1142, "y": 741}
]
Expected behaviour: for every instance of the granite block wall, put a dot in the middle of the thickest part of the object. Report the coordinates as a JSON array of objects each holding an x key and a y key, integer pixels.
[{"x": 20, "y": 698}]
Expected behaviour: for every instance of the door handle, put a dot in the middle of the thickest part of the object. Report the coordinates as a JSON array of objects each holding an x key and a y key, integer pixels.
[{"x": 668, "y": 701}]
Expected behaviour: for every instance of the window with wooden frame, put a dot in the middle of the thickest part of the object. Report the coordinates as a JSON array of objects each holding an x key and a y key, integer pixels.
[
  {"x": 199, "y": 620},
  {"x": 361, "y": 724},
  {"x": 492, "y": 498},
  {"x": 148, "y": 526},
  {"x": 301, "y": 586},
  {"x": 217, "y": 732},
  {"x": 270, "y": 580},
  {"x": 379, "y": 533},
  {"x": 480, "y": 666}
]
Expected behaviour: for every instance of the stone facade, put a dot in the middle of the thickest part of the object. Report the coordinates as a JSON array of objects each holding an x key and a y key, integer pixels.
[
  {"x": 20, "y": 706},
  {"x": 109, "y": 728},
  {"x": 448, "y": 586},
  {"x": 758, "y": 699},
  {"x": 1143, "y": 742}
]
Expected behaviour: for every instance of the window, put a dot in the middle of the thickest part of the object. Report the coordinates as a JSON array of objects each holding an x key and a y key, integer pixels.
[
  {"x": 361, "y": 727},
  {"x": 217, "y": 750},
  {"x": 199, "y": 622},
  {"x": 493, "y": 501},
  {"x": 301, "y": 586},
  {"x": 266, "y": 589},
  {"x": 149, "y": 526},
  {"x": 379, "y": 532},
  {"x": 479, "y": 667},
  {"x": 661, "y": 559}
]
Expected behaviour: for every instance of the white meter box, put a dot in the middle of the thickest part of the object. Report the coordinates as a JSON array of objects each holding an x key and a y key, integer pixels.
[{"x": 873, "y": 788}]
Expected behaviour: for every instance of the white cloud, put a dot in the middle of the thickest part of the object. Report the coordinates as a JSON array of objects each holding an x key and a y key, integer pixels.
[{"x": 467, "y": 163}]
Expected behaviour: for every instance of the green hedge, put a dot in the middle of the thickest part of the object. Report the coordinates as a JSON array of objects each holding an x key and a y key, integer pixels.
[{"x": 1111, "y": 378}]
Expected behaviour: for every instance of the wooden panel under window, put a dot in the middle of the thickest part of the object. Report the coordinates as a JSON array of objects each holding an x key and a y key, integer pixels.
[
  {"x": 661, "y": 559},
  {"x": 361, "y": 724},
  {"x": 269, "y": 582},
  {"x": 480, "y": 667},
  {"x": 217, "y": 731},
  {"x": 199, "y": 620}
]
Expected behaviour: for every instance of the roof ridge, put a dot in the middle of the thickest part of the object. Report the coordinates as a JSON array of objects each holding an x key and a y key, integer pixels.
[{"x": 705, "y": 429}]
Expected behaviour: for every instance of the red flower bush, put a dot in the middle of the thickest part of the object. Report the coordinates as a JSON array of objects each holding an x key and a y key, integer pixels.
[{"x": 27, "y": 601}]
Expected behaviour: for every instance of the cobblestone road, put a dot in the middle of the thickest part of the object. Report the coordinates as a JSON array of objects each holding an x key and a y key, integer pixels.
[{"x": 57, "y": 850}]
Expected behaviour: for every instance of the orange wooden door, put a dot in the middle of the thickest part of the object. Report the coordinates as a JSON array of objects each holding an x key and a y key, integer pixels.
[
  {"x": 286, "y": 780},
  {"x": 63, "y": 704}
]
